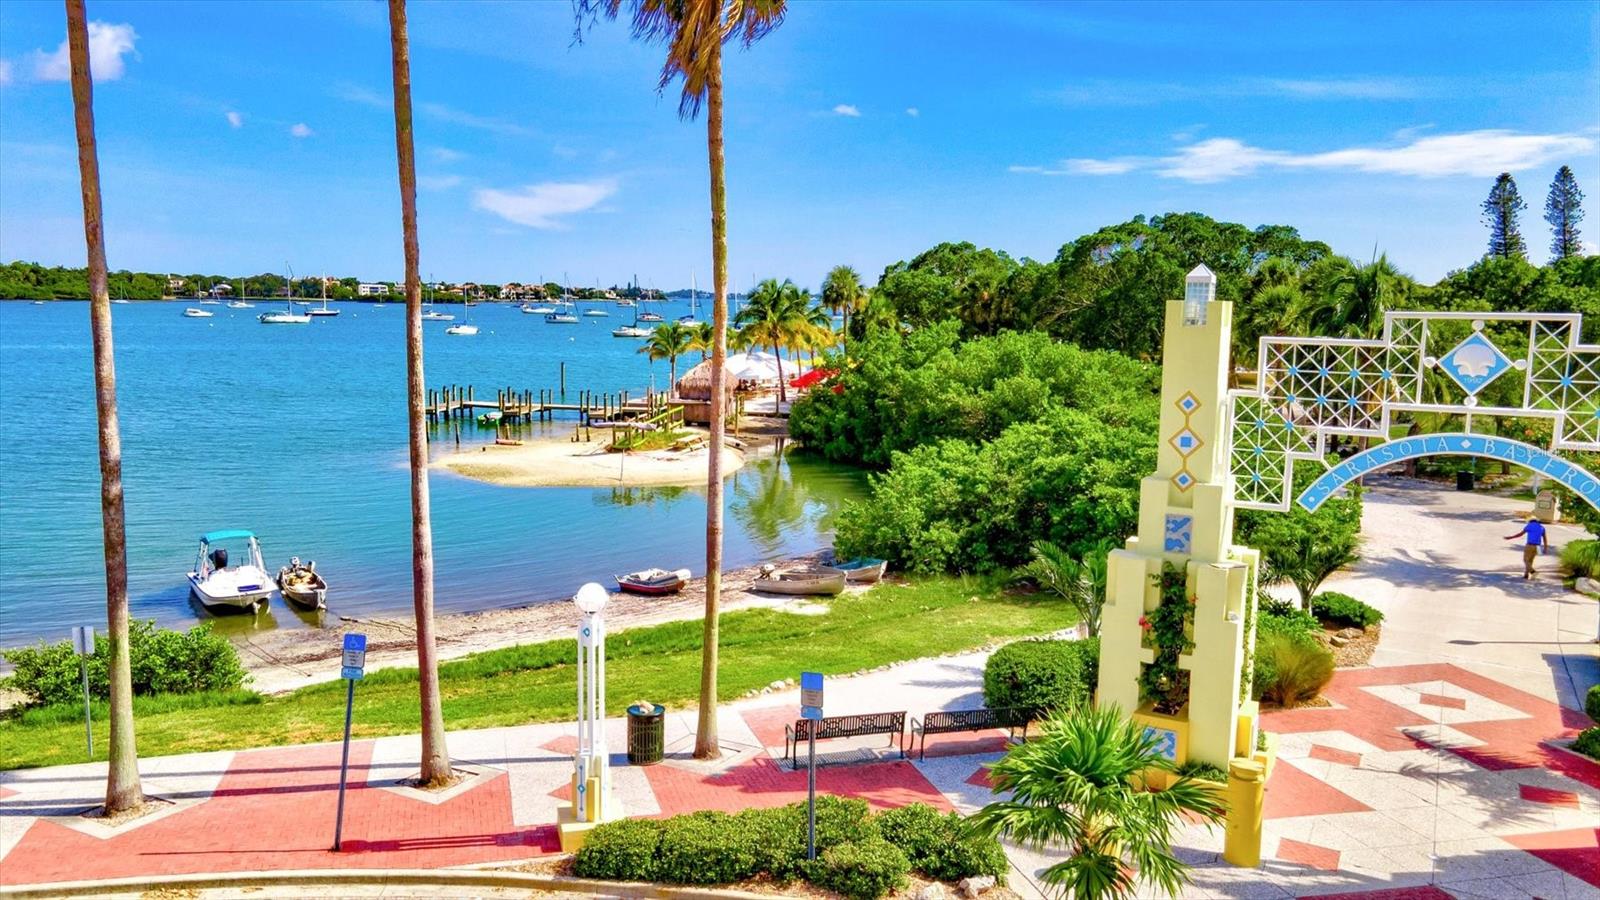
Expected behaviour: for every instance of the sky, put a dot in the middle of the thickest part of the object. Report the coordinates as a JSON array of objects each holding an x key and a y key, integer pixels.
[{"x": 247, "y": 137}]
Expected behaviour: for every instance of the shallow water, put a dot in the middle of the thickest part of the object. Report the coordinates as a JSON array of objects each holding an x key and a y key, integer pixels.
[{"x": 298, "y": 433}]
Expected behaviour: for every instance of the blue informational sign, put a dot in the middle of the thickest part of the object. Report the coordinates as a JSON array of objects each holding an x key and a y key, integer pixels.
[
  {"x": 354, "y": 658},
  {"x": 1576, "y": 478},
  {"x": 810, "y": 695}
]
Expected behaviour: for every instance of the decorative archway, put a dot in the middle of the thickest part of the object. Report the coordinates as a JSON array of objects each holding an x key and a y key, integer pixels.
[{"x": 1575, "y": 478}]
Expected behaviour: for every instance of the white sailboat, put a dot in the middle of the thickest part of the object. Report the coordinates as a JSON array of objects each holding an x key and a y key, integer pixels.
[
  {"x": 694, "y": 293},
  {"x": 563, "y": 314},
  {"x": 324, "y": 311},
  {"x": 464, "y": 327},
  {"x": 429, "y": 315},
  {"x": 288, "y": 316}
]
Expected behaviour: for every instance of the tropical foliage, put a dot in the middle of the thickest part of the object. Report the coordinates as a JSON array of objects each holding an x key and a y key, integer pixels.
[
  {"x": 671, "y": 340},
  {"x": 1038, "y": 677},
  {"x": 161, "y": 661},
  {"x": 1076, "y": 788},
  {"x": 1303, "y": 548},
  {"x": 1081, "y": 581},
  {"x": 781, "y": 316}
]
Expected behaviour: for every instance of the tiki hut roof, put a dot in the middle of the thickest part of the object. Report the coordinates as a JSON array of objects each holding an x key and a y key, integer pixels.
[{"x": 696, "y": 383}]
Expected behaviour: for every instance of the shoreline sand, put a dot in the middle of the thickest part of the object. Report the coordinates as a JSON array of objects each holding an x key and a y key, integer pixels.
[
  {"x": 561, "y": 462},
  {"x": 284, "y": 660}
]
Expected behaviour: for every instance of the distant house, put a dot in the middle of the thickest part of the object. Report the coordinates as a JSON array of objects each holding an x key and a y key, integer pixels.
[
  {"x": 175, "y": 283},
  {"x": 221, "y": 290},
  {"x": 365, "y": 289}
]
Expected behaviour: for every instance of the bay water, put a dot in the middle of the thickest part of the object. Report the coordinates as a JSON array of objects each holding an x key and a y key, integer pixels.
[{"x": 298, "y": 433}]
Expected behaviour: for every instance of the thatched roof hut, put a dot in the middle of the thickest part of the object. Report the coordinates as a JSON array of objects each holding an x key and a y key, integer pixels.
[{"x": 696, "y": 383}]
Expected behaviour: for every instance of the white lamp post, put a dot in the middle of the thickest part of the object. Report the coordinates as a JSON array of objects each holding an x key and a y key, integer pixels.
[
  {"x": 591, "y": 777},
  {"x": 1199, "y": 289}
]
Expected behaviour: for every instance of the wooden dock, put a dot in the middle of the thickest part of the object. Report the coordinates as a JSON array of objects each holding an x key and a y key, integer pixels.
[{"x": 455, "y": 402}]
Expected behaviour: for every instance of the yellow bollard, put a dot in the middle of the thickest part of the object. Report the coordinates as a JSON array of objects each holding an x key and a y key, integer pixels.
[{"x": 1247, "y": 785}]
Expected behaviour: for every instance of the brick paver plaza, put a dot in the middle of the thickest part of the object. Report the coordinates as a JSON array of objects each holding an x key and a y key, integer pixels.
[{"x": 1421, "y": 779}]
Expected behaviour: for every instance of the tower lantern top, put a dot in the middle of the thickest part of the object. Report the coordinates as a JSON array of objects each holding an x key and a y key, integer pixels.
[{"x": 1199, "y": 289}]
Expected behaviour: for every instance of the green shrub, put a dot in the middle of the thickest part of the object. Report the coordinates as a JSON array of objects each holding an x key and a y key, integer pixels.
[
  {"x": 938, "y": 844},
  {"x": 705, "y": 847},
  {"x": 779, "y": 834},
  {"x": 1591, "y": 702},
  {"x": 1283, "y": 616},
  {"x": 864, "y": 870},
  {"x": 1038, "y": 676},
  {"x": 1582, "y": 558},
  {"x": 1291, "y": 667},
  {"x": 841, "y": 820},
  {"x": 1206, "y": 771},
  {"x": 1588, "y": 742},
  {"x": 162, "y": 662},
  {"x": 624, "y": 850},
  {"x": 1343, "y": 609}
]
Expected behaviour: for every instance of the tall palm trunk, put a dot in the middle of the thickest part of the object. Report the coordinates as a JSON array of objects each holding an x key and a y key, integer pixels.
[
  {"x": 123, "y": 791},
  {"x": 783, "y": 396},
  {"x": 706, "y": 744},
  {"x": 435, "y": 755}
]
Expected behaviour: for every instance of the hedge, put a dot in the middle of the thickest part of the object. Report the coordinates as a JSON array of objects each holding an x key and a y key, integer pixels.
[
  {"x": 162, "y": 662},
  {"x": 1042, "y": 675},
  {"x": 859, "y": 854},
  {"x": 1591, "y": 702},
  {"x": 1343, "y": 609}
]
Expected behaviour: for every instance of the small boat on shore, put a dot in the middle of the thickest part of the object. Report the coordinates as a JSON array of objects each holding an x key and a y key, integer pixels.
[
  {"x": 216, "y": 583},
  {"x": 302, "y": 586},
  {"x": 800, "y": 580},
  {"x": 653, "y": 582},
  {"x": 863, "y": 570}
]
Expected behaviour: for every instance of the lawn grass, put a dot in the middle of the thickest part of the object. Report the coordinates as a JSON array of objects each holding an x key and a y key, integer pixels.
[{"x": 534, "y": 682}]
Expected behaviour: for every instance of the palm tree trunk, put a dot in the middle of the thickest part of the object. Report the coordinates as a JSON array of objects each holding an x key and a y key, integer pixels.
[
  {"x": 123, "y": 791},
  {"x": 435, "y": 755},
  {"x": 783, "y": 396},
  {"x": 706, "y": 744}
]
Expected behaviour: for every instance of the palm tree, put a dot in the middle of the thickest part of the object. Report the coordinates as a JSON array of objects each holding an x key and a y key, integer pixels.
[
  {"x": 670, "y": 341},
  {"x": 779, "y": 316},
  {"x": 1081, "y": 583},
  {"x": 702, "y": 336},
  {"x": 842, "y": 293},
  {"x": 435, "y": 755},
  {"x": 694, "y": 32},
  {"x": 123, "y": 791},
  {"x": 1076, "y": 786},
  {"x": 1353, "y": 303}
]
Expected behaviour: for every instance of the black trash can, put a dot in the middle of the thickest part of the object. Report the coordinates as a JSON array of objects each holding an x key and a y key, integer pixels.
[
  {"x": 1464, "y": 480},
  {"x": 646, "y": 734}
]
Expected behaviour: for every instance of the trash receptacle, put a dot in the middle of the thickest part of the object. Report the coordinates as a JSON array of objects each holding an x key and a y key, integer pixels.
[
  {"x": 1464, "y": 480},
  {"x": 646, "y": 734}
]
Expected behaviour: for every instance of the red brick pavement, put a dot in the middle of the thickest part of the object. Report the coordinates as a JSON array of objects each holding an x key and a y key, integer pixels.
[{"x": 763, "y": 781}]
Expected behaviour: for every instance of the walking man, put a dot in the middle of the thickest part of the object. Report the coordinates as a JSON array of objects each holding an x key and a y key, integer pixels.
[{"x": 1534, "y": 531}]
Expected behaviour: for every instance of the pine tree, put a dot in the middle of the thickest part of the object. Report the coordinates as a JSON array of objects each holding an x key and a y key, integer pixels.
[
  {"x": 1500, "y": 213},
  {"x": 1563, "y": 209}
]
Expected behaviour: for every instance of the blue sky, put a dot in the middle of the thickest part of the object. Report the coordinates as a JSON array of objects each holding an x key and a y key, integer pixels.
[{"x": 237, "y": 136}]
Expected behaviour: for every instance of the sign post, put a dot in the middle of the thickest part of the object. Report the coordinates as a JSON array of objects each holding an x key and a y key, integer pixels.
[
  {"x": 811, "y": 709},
  {"x": 83, "y": 645},
  {"x": 354, "y": 661}
]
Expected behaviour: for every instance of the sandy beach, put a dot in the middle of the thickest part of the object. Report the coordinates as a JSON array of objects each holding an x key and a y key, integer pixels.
[
  {"x": 561, "y": 462},
  {"x": 292, "y": 658}
]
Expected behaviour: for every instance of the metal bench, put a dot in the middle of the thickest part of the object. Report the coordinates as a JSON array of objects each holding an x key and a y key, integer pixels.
[
  {"x": 892, "y": 724},
  {"x": 952, "y": 721}
]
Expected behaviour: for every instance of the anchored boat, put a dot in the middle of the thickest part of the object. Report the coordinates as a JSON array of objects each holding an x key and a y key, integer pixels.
[
  {"x": 302, "y": 586},
  {"x": 219, "y": 582},
  {"x": 653, "y": 582}
]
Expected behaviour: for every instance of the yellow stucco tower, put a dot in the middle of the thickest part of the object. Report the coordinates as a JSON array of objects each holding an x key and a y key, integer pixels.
[{"x": 1186, "y": 521}]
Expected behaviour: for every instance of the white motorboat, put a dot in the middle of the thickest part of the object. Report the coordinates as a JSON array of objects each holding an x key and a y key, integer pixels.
[
  {"x": 538, "y": 310},
  {"x": 210, "y": 301},
  {"x": 195, "y": 312},
  {"x": 121, "y": 300},
  {"x": 463, "y": 328},
  {"x": 218, "y": 582},
  {"x": 624, "y": 302},
  {"x": 650, "y": 317},
  {"x": 631, "y": 331},
  {"x": 240, "y": 304},
  {"x": 595, "y": 313}
]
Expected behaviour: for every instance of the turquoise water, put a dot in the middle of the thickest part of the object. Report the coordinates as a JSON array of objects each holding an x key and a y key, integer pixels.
[{"x": 298, "y": 433}]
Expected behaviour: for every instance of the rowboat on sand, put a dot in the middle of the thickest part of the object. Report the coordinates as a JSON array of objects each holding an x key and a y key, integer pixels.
[
  {"x": 802, "y": 580},
  {"x": 863, "y": 570},
  {"x": 653, "y": 582}
]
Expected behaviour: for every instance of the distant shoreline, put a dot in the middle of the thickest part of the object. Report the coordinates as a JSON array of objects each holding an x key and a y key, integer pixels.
[{"x": 561, "y": 462}]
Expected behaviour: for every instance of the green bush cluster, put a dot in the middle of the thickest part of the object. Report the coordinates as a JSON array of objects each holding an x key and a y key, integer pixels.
[
  {"x": 1038, "y": 676},
  {"x": 1343, "y": 609},
  {"x": 1588, "y": 742},
  {"x": 162, "y": 662},
  {"x": 1591, "y": 702},
  {"x": 1205, "y": 771},
  {"x": 860, "y": 855},
  {"x": 1291, "y": 665},
  {"x": 938, "y": 845},
  {"x": 1582, "y": 558}
]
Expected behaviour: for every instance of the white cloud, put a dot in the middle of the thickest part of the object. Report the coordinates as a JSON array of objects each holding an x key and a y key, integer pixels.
[
  {"x": 5, "y": 72},
  {"x": 845, "y": 109},
  {"x": 455, "y": 116},
  {"x": 1344, "y": 88},
  {"x": 445, "y": 154},
  {"x": 438, "y": 182},
  {"x": 355, "y": 93},
  {"x": 234, "y": 119},
  {"x": 1478, "y": 154},
  {"x": 107, "y": 45},
  {"x": 542, "y": 205},
  {"x": 301, "y": 130},
  {"x": 1123, "y": 92},
  {"x": 913, "y": 112}
]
